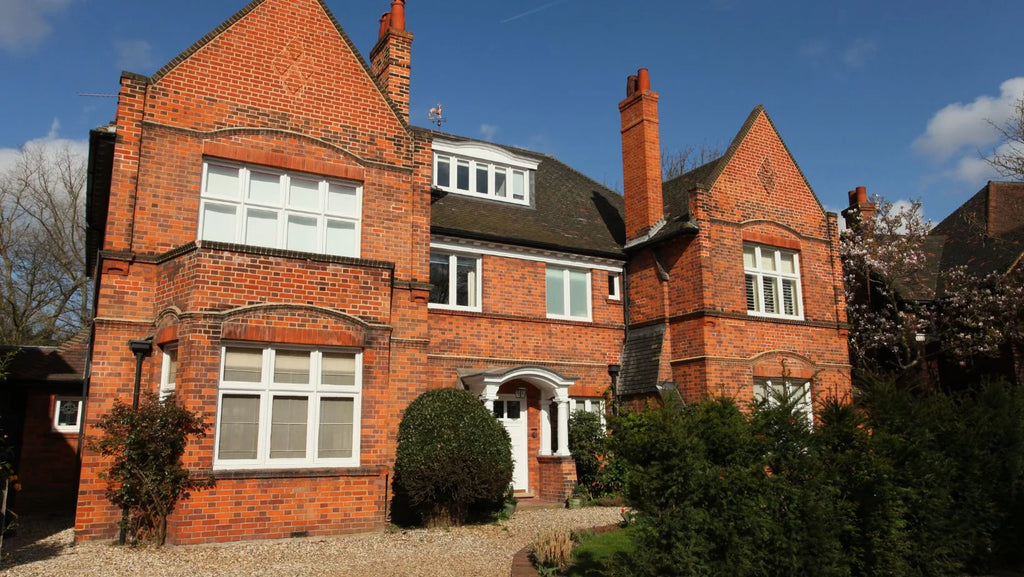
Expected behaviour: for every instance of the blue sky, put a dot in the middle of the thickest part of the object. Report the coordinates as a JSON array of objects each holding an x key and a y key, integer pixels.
[{"x": 896, "y": 96}]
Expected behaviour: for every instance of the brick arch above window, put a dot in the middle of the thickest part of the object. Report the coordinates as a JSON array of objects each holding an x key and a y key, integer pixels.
[
  {"x": 295, "y": 325},
  {"x": 790, "y": 364},
  {"x": 780, "y": 238}
]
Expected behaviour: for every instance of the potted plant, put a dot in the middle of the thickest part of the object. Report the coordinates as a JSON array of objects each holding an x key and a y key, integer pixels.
[
  {"x": 510, "y": 500},
  {"x": 576, "y": 497}
]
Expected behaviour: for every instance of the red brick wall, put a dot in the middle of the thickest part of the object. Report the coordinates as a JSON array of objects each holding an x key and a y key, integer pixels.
[{"x": 48, "y": 467}]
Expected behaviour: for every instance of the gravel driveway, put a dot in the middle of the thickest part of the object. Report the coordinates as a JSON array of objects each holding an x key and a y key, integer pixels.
[{"x": 46, "y": 550}]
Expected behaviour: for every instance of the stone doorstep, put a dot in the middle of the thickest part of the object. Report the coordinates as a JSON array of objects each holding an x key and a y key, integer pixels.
[{"x": 523, "y": 567}]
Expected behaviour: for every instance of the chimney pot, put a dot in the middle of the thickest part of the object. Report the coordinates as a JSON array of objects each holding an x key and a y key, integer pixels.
[
  {"x": 631, "y": 83},
  {"x": 398, "y": 14},
  {"x": 385, "y": 23},
  {"x": 853, "y": 197},
  {"x": 862, "y": 195},
  {"x": 643, "y": 80}
]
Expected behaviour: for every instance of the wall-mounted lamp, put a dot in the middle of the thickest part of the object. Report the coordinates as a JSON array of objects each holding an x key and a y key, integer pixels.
[{"x": 521, "y": 393}]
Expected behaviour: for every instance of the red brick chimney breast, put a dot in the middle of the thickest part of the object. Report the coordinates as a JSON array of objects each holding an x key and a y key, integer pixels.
[{"x": 641, "y": 156}]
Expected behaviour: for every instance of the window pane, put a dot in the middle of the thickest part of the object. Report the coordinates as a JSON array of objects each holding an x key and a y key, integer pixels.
[
  {"x": 264, "y": 188},
  {"x": 481, "y": 178},
  {"x": 770, "y": 302},
  {"x": 555, "y": 288},
  {"x": 291, "y": 367},
  {"x": 288, "y": 427},
  {"x": 341, "y": 238},
  {"x": 302, "y": 233},
  {"x": 336, "y": 424},
  {"x": 751, "y": 293},
  {"x": 613, "y": 285},
  {"x": 462, "y": 174},
  {"x": 749, "y": 258},
  {"x": 789, "y": 297},
  {"x": 788, "y": 263},
  {"x": 518, "y": 185},
  {"x": 343, "y": 200},
  {"x": 218, "y": 223},
  {"x": 261, "y": 228},
  {"x": 338, "y": 369},
  {"x": 67, "y": 413},
  {"x": 579, "y": 294},
  {"x": 499, "y": 182},
  {"x": 304, "y": 194},
  {"x": 221, "y": 181},
  {"x": 172, "y": 366},
  {"x": 499, "y": 409},
  {"x": 443, "y": 171},
  {"x": 513, "y": 409},
  {"x": 465, "y": 281},
  {"x": 243, "y": 365},
  {"x": 439, "y": 278},
  {"x": 239, "y": 426},
  {"x": 767, "y": 259}
]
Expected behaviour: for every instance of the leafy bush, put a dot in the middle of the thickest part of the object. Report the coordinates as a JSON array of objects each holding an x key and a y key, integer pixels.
[
  {"x": 146, "y": 477},
  {"x": 587, "y": 446},
  {"x": 454, "y": 459}
]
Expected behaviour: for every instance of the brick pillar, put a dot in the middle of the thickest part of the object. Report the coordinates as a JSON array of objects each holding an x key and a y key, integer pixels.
[
  {"x": 641, "y": 156},
  {"x": 391, "y": 58}
]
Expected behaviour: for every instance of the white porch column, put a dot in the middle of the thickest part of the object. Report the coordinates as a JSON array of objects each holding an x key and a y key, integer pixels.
[
  {"x": 490, "y": 395},
  {"x": 545, "y": 426},
  {"x": 563, "y": 423}
]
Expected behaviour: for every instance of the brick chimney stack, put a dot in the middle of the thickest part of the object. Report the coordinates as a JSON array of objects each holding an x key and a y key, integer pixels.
[
  {"x": 641, "y": 156},
  {"x": 860, "y": 209},
  {"x": 391, "y": 58}
]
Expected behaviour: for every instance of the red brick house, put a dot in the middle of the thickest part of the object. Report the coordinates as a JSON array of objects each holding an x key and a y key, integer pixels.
[{"x": 305, "y": 263}]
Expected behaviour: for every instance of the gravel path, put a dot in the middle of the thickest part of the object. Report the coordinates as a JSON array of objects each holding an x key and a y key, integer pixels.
[{"x": 46, "y": 550}]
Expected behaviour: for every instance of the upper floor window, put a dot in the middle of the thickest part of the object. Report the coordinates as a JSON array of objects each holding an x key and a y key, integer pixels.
[
  {"x": 259, "y": 206},
  {"x": 456, "y": 281},
  {"x": 772, "y": 281},
  {"x": 614, "y": 286},
  {"x": 568, "y": 293},
  {"x": 487, "y": 171},
  {"x": 169, "y": 371},
  {"x": 67, "y": 414},
  {"x": 280, "y": 407}
]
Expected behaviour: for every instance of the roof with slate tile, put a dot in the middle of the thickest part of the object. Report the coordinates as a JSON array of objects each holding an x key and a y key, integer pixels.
[
  {"x": 63, "y": 364},
  {"x": 641, "y": 356}
]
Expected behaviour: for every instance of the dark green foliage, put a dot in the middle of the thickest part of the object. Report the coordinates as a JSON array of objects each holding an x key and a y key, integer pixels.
[
  {"x": 587, "y": 446},
  {"x": 146, "y": 475},
  {"x": 905, "y": 483},
  {"x": 454, "y": 459}
]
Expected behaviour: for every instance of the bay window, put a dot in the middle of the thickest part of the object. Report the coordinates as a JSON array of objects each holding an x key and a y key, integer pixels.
[
  {"x": 781, "y": 389},
  {"x": 280, "y": 407},
  {"x": 259, "y": 206}
]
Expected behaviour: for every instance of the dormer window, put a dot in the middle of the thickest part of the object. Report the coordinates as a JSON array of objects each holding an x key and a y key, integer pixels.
[{"x": 483, "y": 171}]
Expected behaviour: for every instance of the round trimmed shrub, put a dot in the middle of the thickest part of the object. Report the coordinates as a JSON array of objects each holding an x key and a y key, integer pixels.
[{"x": 454, "y": 459}]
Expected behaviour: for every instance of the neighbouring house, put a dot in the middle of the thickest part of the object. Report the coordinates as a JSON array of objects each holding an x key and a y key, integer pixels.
[
  {"x": 41, "y": 412},
  {"x": 297, "y": 263},
  {"x": 983, "y": 236}
]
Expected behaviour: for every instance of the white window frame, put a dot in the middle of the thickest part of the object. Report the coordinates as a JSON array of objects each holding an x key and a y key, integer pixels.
[
  {"x": 167, "y": 385},
  {"x": 453, "y": 282},
  {"x": 266, "y": 390},
  {"x": 489, "y": 159},
  {"x": 57, "y": 401},
  {"x": 776, "y": 277},
  {"x": 589, "y": 405},
  {"x": 614, "y": 286},
  {"x": 282, "y": 209},
  {"x": 566, "y": 294},
  {"x": 804, "y": 405}
]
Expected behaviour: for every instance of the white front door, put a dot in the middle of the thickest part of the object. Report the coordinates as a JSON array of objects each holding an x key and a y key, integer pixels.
[{"x": 512, "y": 414}]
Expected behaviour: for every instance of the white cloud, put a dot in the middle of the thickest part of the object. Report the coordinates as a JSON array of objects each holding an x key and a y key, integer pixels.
[
  {"x": 488, "y": 131},
  {"x": 24, "y": 24},
  {"x": 974, "y": 169},
  {"x": 136, "y": 55},
  {"x": 52, "y": 141},
  {"x": 959, "y": 126},
  {"x": 857, "y": 54}
]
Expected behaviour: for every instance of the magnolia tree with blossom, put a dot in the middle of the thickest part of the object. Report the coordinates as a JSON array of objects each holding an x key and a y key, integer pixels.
[{"x": 897, "y": 320}]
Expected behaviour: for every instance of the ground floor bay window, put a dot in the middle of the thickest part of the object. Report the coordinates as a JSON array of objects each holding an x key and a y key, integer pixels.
[{"x": 285, "y": 408}]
